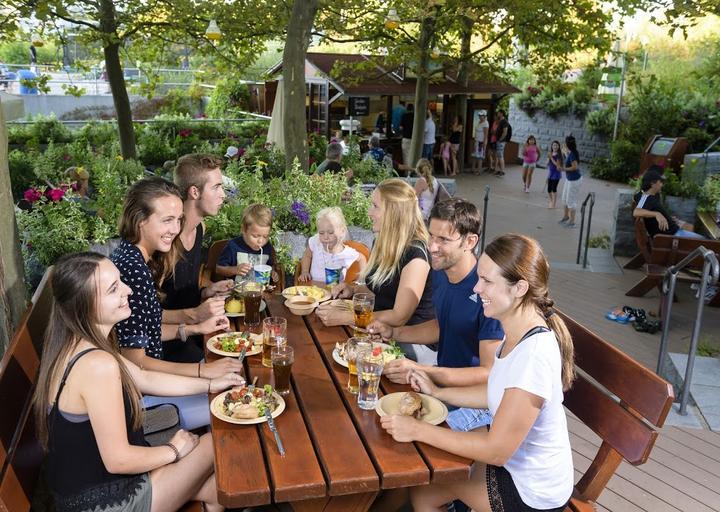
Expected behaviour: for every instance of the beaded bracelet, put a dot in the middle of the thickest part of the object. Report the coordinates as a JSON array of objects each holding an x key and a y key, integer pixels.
[{"x": 174, "y": 449}]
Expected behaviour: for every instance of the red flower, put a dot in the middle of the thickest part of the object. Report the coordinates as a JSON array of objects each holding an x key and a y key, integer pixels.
[
  {"x": 185, "y": 133},
  {"x": 31, "y": 195},
  {"x": 55, "y": 194},
  {"x": 66, "y": 157},
  {"x": 241, "y": 151}
]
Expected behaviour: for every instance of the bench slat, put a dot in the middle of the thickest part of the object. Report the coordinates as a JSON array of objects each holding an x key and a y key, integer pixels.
[{"x": 638, "y": 387}]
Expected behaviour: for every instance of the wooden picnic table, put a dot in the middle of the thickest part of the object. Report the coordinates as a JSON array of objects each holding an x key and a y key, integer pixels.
[
  {"x": 338, "y": 457},
  {"x": 707, "y": 221}
]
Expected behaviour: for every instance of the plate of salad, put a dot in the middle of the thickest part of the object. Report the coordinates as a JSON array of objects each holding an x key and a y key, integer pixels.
[
  {"x": 246, "y": 405},
  {"x": 390, "y": 352},
  {"x": 230, "y": 344}
]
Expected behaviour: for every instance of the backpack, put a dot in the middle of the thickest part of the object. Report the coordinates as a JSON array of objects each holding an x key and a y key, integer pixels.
[{"x": 509, "y": 132}]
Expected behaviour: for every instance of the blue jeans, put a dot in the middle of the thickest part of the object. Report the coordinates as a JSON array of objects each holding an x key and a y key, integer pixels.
[
  {"x": 427, "y": 151},
  {"x": 465, "y": 419},
  {"x": 687, "y": 234},
  {"x": 194, "y": 409}
]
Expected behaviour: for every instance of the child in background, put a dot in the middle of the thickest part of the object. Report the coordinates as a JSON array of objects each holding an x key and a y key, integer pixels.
[
  {"x": 326, "y": 248},
  {"x": 531, "y": 155},
  {"x": 554, "y": 174},
  {"x": 252, "y": 247},
  {"x": 446, "y": 154}
]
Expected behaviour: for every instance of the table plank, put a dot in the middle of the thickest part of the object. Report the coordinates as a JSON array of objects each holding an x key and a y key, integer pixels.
[
  {"x": 297, "y": 475},
  {"x": 343, "y": 457},
  {"x": 399, "y": 464},
  {"x": 445, "y": 467}
]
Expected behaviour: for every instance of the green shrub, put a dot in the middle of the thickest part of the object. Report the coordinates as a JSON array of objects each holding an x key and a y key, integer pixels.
[
  {"x": 97, "y": 134},
  {"x": 655, "y": 108},
  {"x": 111, "y": 177},
  {"x": 22, "y": 176},
  {"x": 19, "y": 134},
  {"x": 229, "y": 96},
  {"x": 177, "y": 101},
  {"x": 51, "y": 164},
  {"x": 600, "y": 122},
  {"x": 623, "y": 163},
  {"x": 153, "y": 149},
  {"x": 49, "y": 129},
  {"x": 698, "y": 139}
]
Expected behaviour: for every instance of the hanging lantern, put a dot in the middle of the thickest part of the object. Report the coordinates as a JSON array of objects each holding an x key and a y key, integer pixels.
[
  {"x": 36, "y": 41},
  {"x": 213, "y": 31},
  {"x": 392, "y": 20}
]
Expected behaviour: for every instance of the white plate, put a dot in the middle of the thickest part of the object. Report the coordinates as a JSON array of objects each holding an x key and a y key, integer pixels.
[
  {"x": 436, "y": 413},
  {"x": 235, "y": 315},
  {"x": 292, "y": 292},
  {"x": 256, "y": 348},
  {"x": 343, "y": 362},
  {"x": 216, "y": 410}
]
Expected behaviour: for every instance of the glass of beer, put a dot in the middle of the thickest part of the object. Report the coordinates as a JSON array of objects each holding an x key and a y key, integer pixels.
[
  {"x": 282, "y": 360},
  {"x": 353, "y": 347},
  {"x": 252, "y": 296},
  {"x": 274, "y": 335},
  {"x": 369, "y": 370},
  {"x": 363, "y": 305}
]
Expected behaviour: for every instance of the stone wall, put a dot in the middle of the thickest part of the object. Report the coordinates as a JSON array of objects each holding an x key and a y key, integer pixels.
[{"x": 546, "y": 129}]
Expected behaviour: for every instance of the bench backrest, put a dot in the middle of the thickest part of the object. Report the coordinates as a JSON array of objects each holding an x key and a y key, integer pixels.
[
  {"x": 643, "y": 240},
  {"x": 668, "y": 250},
  {"x": 20, "y": 451},
  {"x": 214, "y": 253},
  {"x": 627, "y": 422}
]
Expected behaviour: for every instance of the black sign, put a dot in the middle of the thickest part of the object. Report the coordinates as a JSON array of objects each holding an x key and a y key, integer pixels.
[{"x": 359, "y": 106}]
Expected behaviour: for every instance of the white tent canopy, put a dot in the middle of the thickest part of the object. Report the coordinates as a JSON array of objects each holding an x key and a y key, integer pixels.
[{"x": 275, "y": 131}]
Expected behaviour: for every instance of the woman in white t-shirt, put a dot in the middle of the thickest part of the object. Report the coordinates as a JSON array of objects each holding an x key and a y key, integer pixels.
[
  {"x": 326, "y": 249},
  {"x": 426, "y": 187},
  {"x": 524, "y": 462}
]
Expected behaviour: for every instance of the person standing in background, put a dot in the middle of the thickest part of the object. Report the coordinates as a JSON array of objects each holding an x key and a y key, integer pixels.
[
  {"x": 406, "y": 127},
  {"x": 396, "y": 115},
  {"x": 480, "y": 140},
  {"x": 429, "y": 137}
]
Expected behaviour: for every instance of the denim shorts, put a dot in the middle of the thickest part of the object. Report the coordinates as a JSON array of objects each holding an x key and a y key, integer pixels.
[{"x": 465, "y": 419}]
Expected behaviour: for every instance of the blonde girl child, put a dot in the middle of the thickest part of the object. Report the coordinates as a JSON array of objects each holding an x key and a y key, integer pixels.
[
  {"x": 531, "y": 155},
  {"x": 523, "y": 462},
  {"x": 426, "y": 187},
  {"x": 326, "y": 248},
  {"x": 398, "y": 269},
  {"x": 88, "y": 409}
]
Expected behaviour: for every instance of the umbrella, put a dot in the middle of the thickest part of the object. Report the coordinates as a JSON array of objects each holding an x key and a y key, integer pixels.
[{"x": 275, "y": 131}]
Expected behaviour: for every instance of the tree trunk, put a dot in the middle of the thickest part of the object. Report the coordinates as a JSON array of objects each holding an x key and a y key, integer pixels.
[
  {"x": 296, "y": 45},
  {"x": 463, "y": 75},
  {"x": 421, "y": 90},
  {"x": 13, "y": 297},
  {"x": 111, "y": 49}
]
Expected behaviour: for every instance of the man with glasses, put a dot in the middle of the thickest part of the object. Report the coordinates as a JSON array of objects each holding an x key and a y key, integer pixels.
[{"x": 467, "y": 339}]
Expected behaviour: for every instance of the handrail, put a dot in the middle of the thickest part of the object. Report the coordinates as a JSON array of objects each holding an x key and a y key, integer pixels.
[
  {"x": 707, "y": 149},
  {"x": 484, "y": 218},
  {"x": 256, "y": 117},
  {"x": 590, "y": 197},
  {"x": 710, "y": 275}
]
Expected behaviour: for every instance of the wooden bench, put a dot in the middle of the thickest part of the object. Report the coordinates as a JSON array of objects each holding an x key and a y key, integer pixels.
[
  {"x": 207, "y": 271},
  {"x": 623, "y": 402},
  {"x": 21, "y": 455},
  {"x": 663, "y": 251}
]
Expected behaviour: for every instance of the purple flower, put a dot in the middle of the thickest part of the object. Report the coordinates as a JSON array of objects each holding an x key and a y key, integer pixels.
[
  {"x": 55, "y": 194},
  {"x": 300, "y": 211},
  {"x": 31, "y": 195}
]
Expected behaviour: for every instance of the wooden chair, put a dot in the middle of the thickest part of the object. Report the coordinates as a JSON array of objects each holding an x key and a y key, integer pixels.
[
  {"x": 207, "y": 271},
  {"x": 621, "y": 401},
  {"x": 353, "y": 270}
]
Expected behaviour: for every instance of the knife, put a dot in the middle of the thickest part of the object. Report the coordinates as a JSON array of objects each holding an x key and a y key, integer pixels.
[
  {"x": 274, "y": 430},
  {"x": 242, "y": 354}
]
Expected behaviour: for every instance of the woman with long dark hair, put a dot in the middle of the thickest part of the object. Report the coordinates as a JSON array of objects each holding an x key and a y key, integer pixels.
[
  {"x": 573, "y": 180},
  {"x": 88, "y": 411},
  {"x": 523, "y": 462}
]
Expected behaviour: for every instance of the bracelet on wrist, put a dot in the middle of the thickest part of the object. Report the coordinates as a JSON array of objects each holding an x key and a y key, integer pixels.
[
  {"x": 175, "y": 450},
  {"x": 199, "y": 376}
]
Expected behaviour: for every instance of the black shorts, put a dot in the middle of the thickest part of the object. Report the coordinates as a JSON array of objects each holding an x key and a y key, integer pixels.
[
  {"x": 503, "y": 494},
  {"x": 552, "y": 185}
]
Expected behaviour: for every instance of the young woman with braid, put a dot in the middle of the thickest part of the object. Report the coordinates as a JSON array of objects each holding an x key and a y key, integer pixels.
[
  {"x": 524, "y": 461},
  {"x": 88, "y": 408}
]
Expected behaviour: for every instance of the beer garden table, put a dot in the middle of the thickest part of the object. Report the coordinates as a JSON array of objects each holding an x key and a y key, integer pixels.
[{"x": 337, "y": 455}]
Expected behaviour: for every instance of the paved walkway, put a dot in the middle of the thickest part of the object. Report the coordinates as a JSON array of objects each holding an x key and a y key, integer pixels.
[{"x": 682, "y": 473}]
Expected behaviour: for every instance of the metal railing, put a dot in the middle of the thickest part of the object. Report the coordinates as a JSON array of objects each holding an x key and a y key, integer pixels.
[
  {"x": 484, "y": 218},
  {"x": 254, "y": 117},
  {"x": 710, "y": 275},
  {"x": 590, "y": 197}
]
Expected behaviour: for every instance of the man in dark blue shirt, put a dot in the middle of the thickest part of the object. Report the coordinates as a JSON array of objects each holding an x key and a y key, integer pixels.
[{"x": 467, "y": 339}]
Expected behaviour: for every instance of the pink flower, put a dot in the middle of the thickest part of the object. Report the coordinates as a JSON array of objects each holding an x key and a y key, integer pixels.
[
  {"x": 31, "y": 195},
  {"x": 66, "y": 157},
  {"x": 241, "y": 151},
  {"x": 185, "y": 133},
  {"x": 55, "y": 194}
]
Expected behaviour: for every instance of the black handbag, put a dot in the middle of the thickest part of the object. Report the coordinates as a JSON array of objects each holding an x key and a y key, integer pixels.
[{"x": 160, "y": 423}]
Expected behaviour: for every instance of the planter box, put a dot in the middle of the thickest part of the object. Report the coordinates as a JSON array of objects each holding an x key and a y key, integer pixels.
[
  {"x": 623, "y": 231},
  {"x": 682, "y": 207}
]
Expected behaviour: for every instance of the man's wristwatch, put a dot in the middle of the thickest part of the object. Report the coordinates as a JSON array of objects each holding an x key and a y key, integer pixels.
[{"x": 182, "y": 333}]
